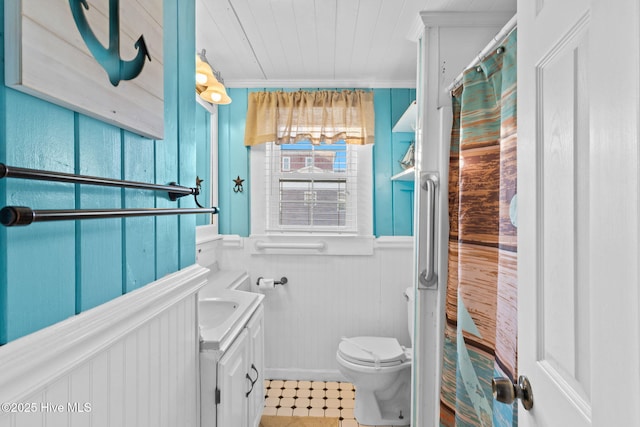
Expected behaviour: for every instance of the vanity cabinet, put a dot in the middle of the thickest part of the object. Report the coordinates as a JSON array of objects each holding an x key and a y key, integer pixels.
[
  {"x": 255, "y": 329},
  {"x": 232, "y": 391},
  {"x": 233, "y": 376}
]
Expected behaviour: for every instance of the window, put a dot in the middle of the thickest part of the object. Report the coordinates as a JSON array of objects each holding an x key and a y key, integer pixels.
[
  {"x": 312, "y": 187},
  {"x": 314, "y": 151}
]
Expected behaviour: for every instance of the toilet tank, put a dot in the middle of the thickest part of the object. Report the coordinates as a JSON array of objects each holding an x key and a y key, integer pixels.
[{"x": 410, "y": 295}]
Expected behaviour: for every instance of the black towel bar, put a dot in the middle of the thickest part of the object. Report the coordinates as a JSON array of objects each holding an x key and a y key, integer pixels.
[
  {"x": 175, "y": 191},
  {"x": 22, "y": 215}
]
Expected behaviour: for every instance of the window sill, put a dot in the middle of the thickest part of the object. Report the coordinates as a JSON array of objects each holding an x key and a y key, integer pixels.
[{"x": 207, "y": 233}]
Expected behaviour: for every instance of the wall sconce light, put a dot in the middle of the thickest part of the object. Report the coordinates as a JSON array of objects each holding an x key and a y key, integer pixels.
[{"x": 208, "y": 82}]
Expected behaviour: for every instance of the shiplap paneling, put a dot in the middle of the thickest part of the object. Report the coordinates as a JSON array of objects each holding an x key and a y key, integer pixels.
[
  {"x": 134, "y": 361},
  {"x": 137, "y": 244},
  {"x": 47, "y": 267},
  {"x": 402, "y": 191},
  {"x": 382, "y": 164},
  {"x": 167, "y": 153},
  {"x": 98, "y": 243},
  {"x": 203, "y": 159},
  {"x": 333, "y": 43},
  {"x": 231, "y": 38},
  {"x": 38, "y": 135},
  {"x": 327, "y": 297},
  {"x": 49, "y": 58},
  {"x": 233, "y": 161},
  {"x": 186, "y": 159}
]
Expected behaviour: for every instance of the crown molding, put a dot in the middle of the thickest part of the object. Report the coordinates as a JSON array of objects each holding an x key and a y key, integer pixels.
[
  {"x": 324, "y": 84},
  {"x": 415, "y": 29},
  {"x": 465, "y": 19}
]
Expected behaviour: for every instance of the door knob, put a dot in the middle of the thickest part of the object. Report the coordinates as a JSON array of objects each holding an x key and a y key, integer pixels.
[{"x": 506, "y": 392}]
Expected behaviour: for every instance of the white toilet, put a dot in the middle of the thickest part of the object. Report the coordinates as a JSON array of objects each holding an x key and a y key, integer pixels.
[{"x": 380, "y": 369}]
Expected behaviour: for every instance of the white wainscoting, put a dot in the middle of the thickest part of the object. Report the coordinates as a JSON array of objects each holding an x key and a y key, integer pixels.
[
  {"x": 327, "y": 297},
  {"x": 130, "y": 362}
]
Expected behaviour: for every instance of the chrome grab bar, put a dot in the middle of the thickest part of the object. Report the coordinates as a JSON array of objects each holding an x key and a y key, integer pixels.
[
  {"x": 428, "y": 278},
  {"x": 261, "y": 245}
]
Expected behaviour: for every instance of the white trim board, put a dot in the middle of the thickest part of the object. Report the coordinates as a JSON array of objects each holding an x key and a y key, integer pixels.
[
  {"x": 349, "y": 84},
  {"x": 304, "y": 374}
]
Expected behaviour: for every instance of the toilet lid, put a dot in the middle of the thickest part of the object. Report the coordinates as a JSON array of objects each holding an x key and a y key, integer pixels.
[{"x": 365, "y": 351}]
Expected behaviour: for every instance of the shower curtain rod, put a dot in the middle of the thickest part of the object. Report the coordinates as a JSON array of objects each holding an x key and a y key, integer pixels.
[{"x": 497, "y": 39}]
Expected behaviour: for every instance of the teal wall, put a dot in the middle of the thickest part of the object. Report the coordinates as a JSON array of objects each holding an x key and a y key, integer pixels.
[
  {"x": 50, "y": 271},
  {"x": 393, "y": 200},
  {"x": 233, "y": 161},
  {"x": 203, "y": 161}
]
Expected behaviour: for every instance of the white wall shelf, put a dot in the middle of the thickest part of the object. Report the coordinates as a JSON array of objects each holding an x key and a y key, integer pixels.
[
  {"x": 407, "y": 122},
  {"x": 405, "y": 175}
]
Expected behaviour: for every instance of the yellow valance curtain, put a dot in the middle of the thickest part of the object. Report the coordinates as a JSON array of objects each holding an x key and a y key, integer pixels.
[{"x": 322, "y": 116}]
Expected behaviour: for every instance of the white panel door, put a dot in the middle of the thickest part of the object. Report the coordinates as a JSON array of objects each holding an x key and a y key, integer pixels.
[
  {"x": 578, "y": 157},
  {"x": 233, "y": 383}
]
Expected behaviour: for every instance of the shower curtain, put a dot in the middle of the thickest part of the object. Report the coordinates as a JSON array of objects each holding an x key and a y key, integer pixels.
[{"x": 481, "y": 318}]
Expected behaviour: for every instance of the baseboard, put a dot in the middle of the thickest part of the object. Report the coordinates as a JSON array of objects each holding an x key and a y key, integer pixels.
[{"x": 304, "y": 374}]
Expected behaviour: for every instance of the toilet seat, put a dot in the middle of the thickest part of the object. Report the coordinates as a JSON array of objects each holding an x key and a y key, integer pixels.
[{"x": 372, "y": 351}]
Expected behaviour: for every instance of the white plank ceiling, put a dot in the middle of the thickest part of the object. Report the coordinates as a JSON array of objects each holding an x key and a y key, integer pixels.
[{"x": 319, "y": 43}]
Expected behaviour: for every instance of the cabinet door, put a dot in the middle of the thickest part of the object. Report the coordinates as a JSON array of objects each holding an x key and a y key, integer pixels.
[
  {"x": 234, "y": 384},
  {"x": 256, "y": 366},
  {"x": 208, "y": 384}
]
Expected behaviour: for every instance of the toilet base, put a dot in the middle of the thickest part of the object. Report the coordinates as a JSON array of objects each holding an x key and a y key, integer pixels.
[{"x": 385, "y": 407}]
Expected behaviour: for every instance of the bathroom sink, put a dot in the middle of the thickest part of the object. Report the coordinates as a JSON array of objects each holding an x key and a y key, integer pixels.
[
  {"x": 214, "y": 311},
  {"x": 222, "y": 316}
]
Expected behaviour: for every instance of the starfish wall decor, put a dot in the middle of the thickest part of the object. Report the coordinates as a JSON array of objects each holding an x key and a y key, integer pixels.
[{"x": 238, "y": 187}]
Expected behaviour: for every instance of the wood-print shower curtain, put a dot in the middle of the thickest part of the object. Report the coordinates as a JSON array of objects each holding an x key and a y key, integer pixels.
[{"x": 481, "y": 318}]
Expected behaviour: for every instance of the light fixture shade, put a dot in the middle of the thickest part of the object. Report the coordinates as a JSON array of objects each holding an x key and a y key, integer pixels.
[
  {"x": 226, "y": 99},
  {"x": 216, "y": 94},
  {"x": 211, "y": 96},
  {"x": 204, "y": 73},
  {"x": 207, "y": 85}
]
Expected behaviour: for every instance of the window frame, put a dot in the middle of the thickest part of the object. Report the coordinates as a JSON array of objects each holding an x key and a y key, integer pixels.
[
  {"x": 277, "y": 177},
  {"x": 264, "y": 184}
]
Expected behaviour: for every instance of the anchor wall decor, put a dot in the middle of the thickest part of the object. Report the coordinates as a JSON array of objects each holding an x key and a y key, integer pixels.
[
  {"x": 102, "y": 58},
  {"x": 109, "y": 57}
]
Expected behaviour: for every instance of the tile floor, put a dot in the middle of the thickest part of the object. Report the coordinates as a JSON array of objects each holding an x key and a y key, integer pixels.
[{"x": 311, "y": 399}]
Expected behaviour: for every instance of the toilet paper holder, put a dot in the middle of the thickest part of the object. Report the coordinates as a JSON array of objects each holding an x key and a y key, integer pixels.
[{"x": 283, "y": 281}]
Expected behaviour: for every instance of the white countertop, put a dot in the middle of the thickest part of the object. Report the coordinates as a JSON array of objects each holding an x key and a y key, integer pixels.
[{"x": 221, "y": 336}]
